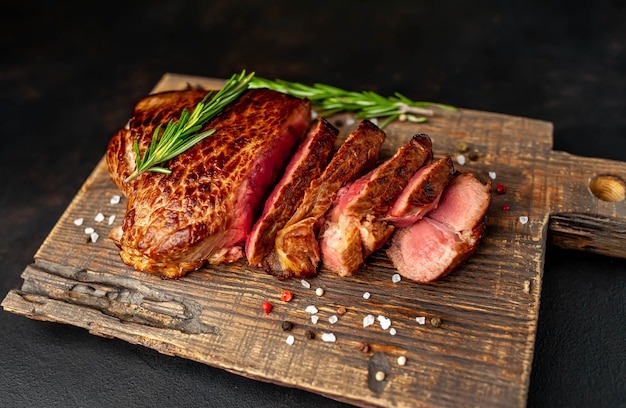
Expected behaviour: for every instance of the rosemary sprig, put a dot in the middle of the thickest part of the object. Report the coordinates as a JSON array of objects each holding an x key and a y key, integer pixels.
[
  {"x": 367, "y": 104},
  {"x": 180, "y": 135}
]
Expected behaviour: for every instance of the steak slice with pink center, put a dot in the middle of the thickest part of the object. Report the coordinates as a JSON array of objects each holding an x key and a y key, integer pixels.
[
  {"x": 447, "y": 236},
  {"x": 305, "y": 165},
  {"x": 353, "y": 227},
  {"x": 296, "y": 246},
  {"x": 422, "y": 194}
]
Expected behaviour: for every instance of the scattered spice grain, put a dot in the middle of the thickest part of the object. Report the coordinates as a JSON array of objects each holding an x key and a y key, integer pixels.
[
  {"x": 286, "y": 296},
  {"x": 267, "y": 307}
]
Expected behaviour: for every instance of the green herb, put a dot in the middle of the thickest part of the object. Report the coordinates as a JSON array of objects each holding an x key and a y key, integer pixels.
[
  {"x": 367, "y": 104},
  {"x": 180, "y": 135}
]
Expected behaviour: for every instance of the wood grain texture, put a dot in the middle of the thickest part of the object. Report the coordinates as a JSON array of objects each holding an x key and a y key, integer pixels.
[{"x": 480, "y": 355}]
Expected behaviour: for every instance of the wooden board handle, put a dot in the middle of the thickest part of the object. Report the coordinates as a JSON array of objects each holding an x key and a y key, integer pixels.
[{"x": 588, "y": 204}]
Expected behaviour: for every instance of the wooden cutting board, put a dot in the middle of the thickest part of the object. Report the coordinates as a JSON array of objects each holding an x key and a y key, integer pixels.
[{"x": 481, "y": 352}]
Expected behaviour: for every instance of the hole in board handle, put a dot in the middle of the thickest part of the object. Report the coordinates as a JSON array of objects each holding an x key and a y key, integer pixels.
[{"x": 608, "y": 188}]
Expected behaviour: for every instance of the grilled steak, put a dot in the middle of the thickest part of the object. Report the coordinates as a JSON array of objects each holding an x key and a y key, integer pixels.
[
  {"x": 296, "y": 246},
  {"x": 202, "y": 211},
  {"x": 422, "y": 194},
  {"x": 447, "y": 236},
  {"x": 305, "y": 165},
  {"x": 354, "y": 228}
]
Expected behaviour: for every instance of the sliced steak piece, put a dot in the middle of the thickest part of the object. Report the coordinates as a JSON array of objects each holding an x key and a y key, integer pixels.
[
  {"x": 296, "y": 246},
  {"x": 306, "y": 164},
  {"x": 202, "y": 211},
  {"x": 353, "y": 228},
  {"x": 447, "y": 236},
  {"x": 422, "y": 194}
]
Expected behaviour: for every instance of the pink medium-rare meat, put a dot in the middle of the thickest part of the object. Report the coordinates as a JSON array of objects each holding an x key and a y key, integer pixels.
[
  {"x": 447, "y": 236},
  {"x": 203, "y": 210},
  {"x": 305, "y": 165},
  {"x": 296, "y": 247},
  {"x": 353, "y": 228},
  {"x": 422, "y": 194}
]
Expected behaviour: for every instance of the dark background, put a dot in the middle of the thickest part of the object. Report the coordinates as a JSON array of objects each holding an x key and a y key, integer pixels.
[{"x": 69, "y": 76}]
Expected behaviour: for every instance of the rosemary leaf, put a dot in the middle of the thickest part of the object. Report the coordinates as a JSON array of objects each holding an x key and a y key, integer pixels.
[
  {"x": 329, "y": 100},
  {"x": 182, "y": 134}
]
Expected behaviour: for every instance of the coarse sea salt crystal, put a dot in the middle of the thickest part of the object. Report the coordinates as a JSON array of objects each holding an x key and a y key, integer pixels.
[
  {"x": 305, "y": 283},
  {"x": 460, "y": 159},
  {"x": 111, "y": 219},
  {"x": 492, "y": 175},
  {"x": 99, "y": 217},
  {"x": 366, "y": 295},
  {"x": 314, "y": 319},
  {"x": 392, "y": 331},
  {"x": 78, "y": 222},
  {"x": 333, "y": 319},
  {"x": 396, "y": 278},
  {"x": 329, "y": 337},
  {"x": 311, "y": 309},
  {"x": 115, "y": 199},
  {"x": 384, "y": 321},
  {"x": 290, "y": 340},
  {"x": 89, "y": 230},
  {"x": 420, "y": 319},
  {"x": 368, "y": 320},
  {"x": 523, "y": 219},
  {"x": 94, "y": 236}
]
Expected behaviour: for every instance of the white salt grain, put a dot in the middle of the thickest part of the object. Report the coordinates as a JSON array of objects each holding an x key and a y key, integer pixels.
[
  {"x": 420, "y": 319},
  {"x": 89, "y": 230},
  {"x": 460, "y": 159},
  {"x": 396, "y": 278},
  {"x": 94, "y": 236},
  {"x": 492, "y": 175},
  {"x": 368, "y": 320},
  {"x": 314, "y": 319},
  {"x": 78, "y": 222},
  {"x": 380, "y": 375},
  {"x": 290, "y": 340},
  {"x": 366, "y": 295},
  {"x": 401, "y": 360},
  {"x": 329, "y": 337},
  {"x": 523, "y": 219},
  {"x": 392, "y": 331},
  {"x": 385, "y": 322},
  {"x": 333, "y": 319},
  {"x": 305, "y": 283},
  {"x": 115, "y": 199},
  {"x": 99, "y": 217},
  {"x": 311, "y": 309},
  {"x": 319, "y": 292},
  {"x": 111, "y": 219}
]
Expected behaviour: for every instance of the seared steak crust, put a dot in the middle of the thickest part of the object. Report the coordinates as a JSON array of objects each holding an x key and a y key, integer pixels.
[{"x": 204, "y": 209}]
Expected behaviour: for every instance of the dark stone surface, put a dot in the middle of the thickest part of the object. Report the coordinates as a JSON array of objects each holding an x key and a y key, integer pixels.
[{"x": 69, "y": 75}]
